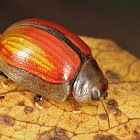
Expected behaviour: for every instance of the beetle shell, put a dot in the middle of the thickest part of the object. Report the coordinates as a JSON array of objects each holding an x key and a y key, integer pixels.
[{"x": 42, "y": 56}]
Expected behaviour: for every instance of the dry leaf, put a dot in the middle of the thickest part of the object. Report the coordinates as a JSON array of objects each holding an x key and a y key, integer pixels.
[{"x": 20, "y": 119}]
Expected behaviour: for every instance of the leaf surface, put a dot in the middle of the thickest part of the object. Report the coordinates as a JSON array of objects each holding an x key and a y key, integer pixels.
[{"x": 118, "y": 118}]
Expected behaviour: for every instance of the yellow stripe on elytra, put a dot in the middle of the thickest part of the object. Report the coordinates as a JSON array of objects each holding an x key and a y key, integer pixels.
[
  {"x": 12, "y": 45},
  {"x": 23, "y": 39}
]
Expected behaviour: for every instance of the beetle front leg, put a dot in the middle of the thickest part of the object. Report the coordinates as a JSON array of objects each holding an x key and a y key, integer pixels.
[
  {"x": 39, "y": 101},
  {"x": 74, "y": 105},
  {"x": 6, "y": 83}
]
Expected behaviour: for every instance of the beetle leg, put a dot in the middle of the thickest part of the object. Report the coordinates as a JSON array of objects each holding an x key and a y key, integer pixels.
[
  {"x": 6, "y": 82},
  {"x": 74, "y": 105},
  {"x": 40, "y": 103}
]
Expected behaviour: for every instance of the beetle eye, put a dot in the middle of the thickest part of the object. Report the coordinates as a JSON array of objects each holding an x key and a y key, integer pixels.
[{"x": 94, "y": 95}]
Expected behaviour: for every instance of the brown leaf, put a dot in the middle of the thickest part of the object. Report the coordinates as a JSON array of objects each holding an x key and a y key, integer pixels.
[{"x": 20, "y": 119}]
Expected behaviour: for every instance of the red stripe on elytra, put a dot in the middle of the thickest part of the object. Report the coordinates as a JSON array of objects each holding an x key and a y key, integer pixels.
[
  {"x": 76, "y": 40},
  {"x": 63, "y": 50}
]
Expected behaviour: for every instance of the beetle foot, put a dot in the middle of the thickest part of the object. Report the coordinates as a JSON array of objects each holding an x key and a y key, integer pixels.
[
  {"x": 6, "y": 83},
  {"x": 39, "y": 101},
  {"x": 76, "y": 111},
  {"x": 75, "y": 106}
]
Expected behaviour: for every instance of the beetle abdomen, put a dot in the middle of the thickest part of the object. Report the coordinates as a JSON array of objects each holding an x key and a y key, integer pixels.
[{"x": 43, "y": 49}]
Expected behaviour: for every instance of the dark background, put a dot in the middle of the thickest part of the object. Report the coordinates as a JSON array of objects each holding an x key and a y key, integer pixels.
[{"x": 118, "y": 20}]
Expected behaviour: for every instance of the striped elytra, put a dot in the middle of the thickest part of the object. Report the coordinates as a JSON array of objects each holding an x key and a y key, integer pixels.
[{"x": 48, "y": 59}]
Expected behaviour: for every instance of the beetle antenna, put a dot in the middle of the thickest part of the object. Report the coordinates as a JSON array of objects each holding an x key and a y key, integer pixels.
[
  {"x": 105, "y": 111},
  {"x": 124, "y": 90}
]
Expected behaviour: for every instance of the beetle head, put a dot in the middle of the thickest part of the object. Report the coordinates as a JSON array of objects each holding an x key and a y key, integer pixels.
[
  {"x": 100, "y": 89},
  {"x": 90, "y": 83}
]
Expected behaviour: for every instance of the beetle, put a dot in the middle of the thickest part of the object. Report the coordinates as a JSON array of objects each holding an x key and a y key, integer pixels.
[{"x": 49, "y": 60}]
